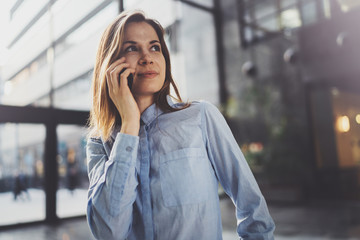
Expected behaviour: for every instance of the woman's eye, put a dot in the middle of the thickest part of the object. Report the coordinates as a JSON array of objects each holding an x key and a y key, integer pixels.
[
  {"x": 155, "y": 48},
  {"x": 130, "y": 49}
]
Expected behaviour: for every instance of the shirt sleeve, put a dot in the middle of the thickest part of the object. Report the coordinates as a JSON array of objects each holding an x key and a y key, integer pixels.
[
  {"x": 113, "y": 186},
  {"x": 235, "y": 176}
]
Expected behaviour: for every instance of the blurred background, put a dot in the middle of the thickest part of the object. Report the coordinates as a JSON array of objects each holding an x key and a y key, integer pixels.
[{"x": 285, "y": 74}]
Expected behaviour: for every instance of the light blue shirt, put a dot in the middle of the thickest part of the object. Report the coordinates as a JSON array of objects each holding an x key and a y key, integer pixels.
[{"x": 163, "y": 184}]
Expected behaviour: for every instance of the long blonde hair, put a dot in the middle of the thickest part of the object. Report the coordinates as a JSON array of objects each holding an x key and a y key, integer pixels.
[{"x": 103, "y": 114}]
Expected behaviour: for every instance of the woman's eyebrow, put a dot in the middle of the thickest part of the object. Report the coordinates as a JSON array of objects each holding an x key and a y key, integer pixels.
[
  {"x": 129, "y": 42},
  {"x": 134, "y": 42}
]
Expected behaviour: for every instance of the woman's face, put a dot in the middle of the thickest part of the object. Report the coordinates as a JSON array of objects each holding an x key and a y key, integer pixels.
[{"x": 142, "y": 50}]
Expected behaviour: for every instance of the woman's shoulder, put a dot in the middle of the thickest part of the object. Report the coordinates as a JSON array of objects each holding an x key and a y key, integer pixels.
[
  {"x": 205, "y": 107},
  {"x": 197, "y": 109},
  {"x": 197, "y": 104}
]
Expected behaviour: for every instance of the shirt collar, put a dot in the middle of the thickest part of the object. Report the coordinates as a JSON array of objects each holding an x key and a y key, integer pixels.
[
  {"x": 153, "y": 111},
  {"x": 149, "y": 115}
]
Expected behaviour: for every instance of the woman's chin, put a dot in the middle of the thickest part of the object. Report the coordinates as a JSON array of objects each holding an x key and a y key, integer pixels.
[{"x": 139, "y": 92}]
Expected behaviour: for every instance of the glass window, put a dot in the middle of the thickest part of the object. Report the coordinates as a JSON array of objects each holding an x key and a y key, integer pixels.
[
  {"x": 267, "y": 25},
  {"x": 348, "y": 5},
  {"x": 25, "y": 13},
  {"x": 205, "y": 3},
  {"x": 61, "y": 70},
  {"x": 162, "y": 10},
  {"x": 266, "y": 17},
  {"x": 74, "y": 60},
  {"x": 198, "y": 49},
  {"x": 74, "y": 94},
  {"x": 94, "y": 25},
  {"x": 21, "y": 173},
  {"x": 346, "y": 109},
  {"x": 72, "y": 168},
  {"x": 309, "y": 13},
  {"x": 67, "y": 13},
  {"x": 290, "y": 18},
  {"x": 336, "y": 123},
  {"x": 322, "y": 123},
  {"x": 261, "y": 18},
  {"x": 288, "y": 3},
  {"x": 28, "y": 47},
  {"x": 264, "y": 9},
  {"x": 17, "y": 91}
]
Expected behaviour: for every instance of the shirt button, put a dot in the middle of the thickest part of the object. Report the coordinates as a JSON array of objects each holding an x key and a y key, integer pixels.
[{"x": 129, "y": 149}]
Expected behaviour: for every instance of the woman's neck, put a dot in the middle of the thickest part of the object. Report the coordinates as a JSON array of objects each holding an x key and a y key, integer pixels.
[{"x": 144, "y": 102}]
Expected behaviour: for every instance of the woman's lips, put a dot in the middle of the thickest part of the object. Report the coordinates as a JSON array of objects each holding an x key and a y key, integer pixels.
[{"x": 148, "y": 74}]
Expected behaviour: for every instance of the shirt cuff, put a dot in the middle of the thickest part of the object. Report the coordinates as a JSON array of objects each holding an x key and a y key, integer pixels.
[{"x": 125, "y": 148}]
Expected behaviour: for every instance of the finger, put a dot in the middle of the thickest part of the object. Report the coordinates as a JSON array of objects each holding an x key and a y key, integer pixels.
[
  {"x": 114, "y": 74},
  {"x": 124, "y": 76},
  {"x": 118, "y": 68},
  {"x": 117, "y": 62},
  {"x": 114, "y": 65},
  {"x": 113, "y": 80}
]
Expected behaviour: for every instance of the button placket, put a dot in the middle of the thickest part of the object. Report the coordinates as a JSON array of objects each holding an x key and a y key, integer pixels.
[{"x": 145, "y": 182}]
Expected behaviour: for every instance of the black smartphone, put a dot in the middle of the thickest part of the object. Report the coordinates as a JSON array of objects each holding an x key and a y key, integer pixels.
[{"x": 130, "y": 78}]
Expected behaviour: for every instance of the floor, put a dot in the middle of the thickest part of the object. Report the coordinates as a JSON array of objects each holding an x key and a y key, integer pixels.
[{"x": 315, "y": 220}]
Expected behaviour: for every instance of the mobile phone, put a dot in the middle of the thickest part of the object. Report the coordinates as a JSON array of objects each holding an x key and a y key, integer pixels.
[{"x": 130, "y": 78}]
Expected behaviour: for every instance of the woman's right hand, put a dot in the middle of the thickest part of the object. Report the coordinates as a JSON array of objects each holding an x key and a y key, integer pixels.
[{"x": 122, "y": 97}]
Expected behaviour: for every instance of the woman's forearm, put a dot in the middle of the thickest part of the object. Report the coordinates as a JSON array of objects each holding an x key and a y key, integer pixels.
[{"x": 113, "y": 186}]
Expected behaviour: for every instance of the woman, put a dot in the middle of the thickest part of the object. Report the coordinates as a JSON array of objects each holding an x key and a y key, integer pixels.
[{"x": 154, "y": 166}]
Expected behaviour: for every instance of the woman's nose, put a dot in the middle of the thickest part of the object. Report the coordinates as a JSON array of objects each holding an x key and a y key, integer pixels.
[{"x": 146, "y": 58}]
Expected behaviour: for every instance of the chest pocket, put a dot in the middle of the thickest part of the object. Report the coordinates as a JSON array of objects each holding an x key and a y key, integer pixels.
[{"x": 185, "y": 177}]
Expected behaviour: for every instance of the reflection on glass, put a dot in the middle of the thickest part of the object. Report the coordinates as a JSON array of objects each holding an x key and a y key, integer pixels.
[
  {"x": 264, "y": 9},
  {"x": 21, "y": 173},
  {"x": 205, "y": 3},
  {"x": 73, "y": 28},
  {"x": 73, "y": 180},
  {"x": 74, "y": 94},
  {"x": 347, "y": 5},
  {"x": 198, "y": 49},
  {"x": 309, "y": 13},
  {"x": 95, "y": 25},
  {"x": 288, "y": 3},
  {"x": 290, "y": 18},
  {"x": 74, "y": 61},
  {"x": 346, "y": 106}
]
